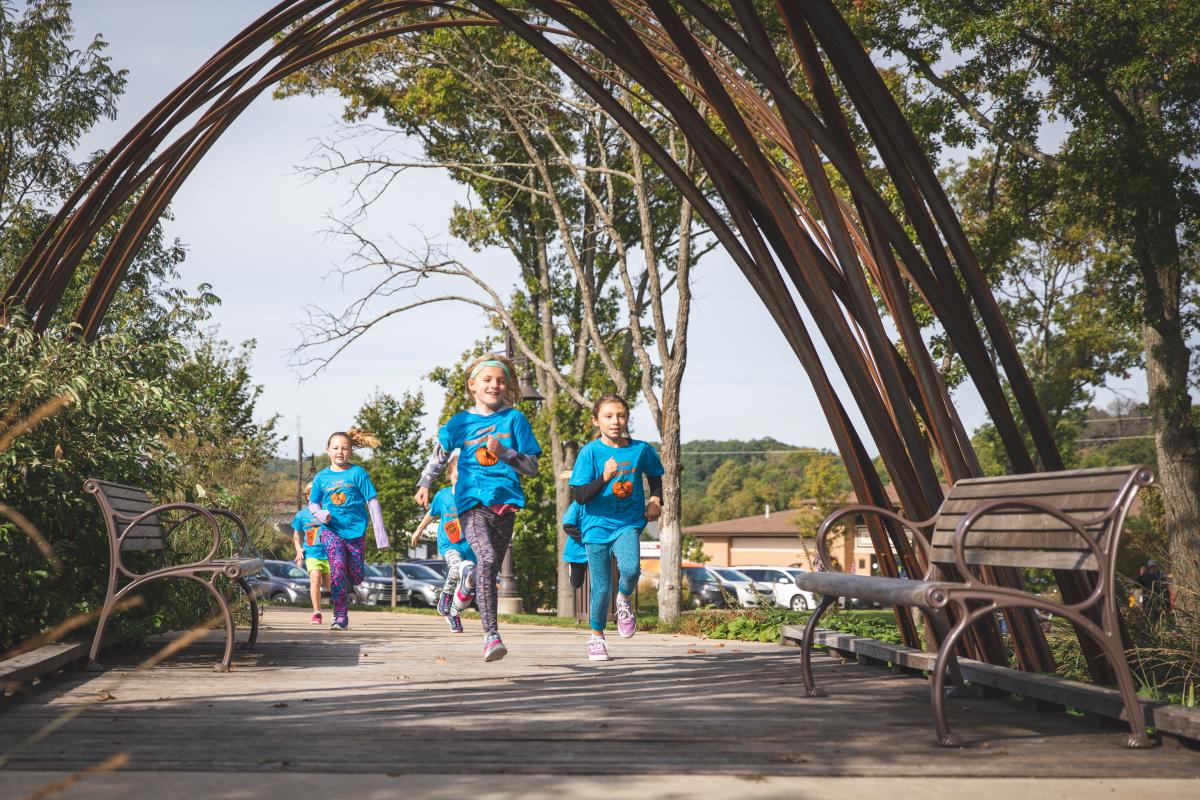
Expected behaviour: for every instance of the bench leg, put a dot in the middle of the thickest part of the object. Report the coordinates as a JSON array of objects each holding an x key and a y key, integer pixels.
[
  {"x": 227, "y": 660},
  {"x": 92, "y": 664},
  {"x": 806, "y": 640},
  {"x": 1111, "y": 645},
  {"x": 253, "y": 602},
  {"x": 937, "y": 682}
]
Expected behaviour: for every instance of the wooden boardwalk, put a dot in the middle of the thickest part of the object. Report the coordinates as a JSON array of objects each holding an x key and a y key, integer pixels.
[{"x": 399, "y": 695}]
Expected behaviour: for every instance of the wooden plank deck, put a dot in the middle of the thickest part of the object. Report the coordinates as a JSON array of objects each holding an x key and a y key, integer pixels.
[{"x": 400, "y": 695}]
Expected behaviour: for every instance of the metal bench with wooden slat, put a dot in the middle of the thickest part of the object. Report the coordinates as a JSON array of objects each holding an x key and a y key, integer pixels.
[
  {"x": 135, "y": 523},
  {"x": 1070, "y": 520}
]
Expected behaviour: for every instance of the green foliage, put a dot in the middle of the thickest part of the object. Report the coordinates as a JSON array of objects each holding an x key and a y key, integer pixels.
[
  {"x": 741, "y": 485},
  {"x": 129, "y": 419}
]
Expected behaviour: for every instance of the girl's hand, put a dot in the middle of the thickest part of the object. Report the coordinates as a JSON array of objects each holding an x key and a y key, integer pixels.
[
  {"x": 422, "y": 497},
  {"x": 653, "y": 509},
  {"x": 322, "y": 515},
  {"x": 416, "y": 537},
  {"x": 299, "y": 559},
  {"x": 610, "y": 469},
  {"x": 493, "y": 445}
]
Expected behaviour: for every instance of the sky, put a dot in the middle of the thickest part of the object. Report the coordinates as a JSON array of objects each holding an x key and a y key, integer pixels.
[{"x": 255, "y": 228}]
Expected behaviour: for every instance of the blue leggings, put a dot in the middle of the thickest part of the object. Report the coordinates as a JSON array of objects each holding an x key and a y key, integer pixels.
[{"x": 627, "y": 548}]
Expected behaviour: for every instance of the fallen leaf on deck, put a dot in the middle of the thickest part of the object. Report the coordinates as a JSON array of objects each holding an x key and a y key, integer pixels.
[
  {"x": 105, "y": 694},
  {"x": 694, "y": 650},
  {"x": 440, "y": 660},
  {"x": 279, "y": 705}
]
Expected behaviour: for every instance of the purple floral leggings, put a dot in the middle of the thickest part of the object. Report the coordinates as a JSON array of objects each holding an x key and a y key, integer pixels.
[{"x": 345, "y": 568}]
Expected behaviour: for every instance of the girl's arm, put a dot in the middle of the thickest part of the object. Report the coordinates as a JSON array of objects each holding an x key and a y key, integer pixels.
[
  {"x": 523, "y": 463},
  {"x": 322, "y": 516},
  {"x": 376, "y": 512},
  {"x": 574, "y": 532},
  {"x": 434, "y": 466},
  {"x": 299, "y": 550},
  {"x": 428, "y": 518},
  {"x": 588, "y": 492},
  {"x": 654, "y": 501}
]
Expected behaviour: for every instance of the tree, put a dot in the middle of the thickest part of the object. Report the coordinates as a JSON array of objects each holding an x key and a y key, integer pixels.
[
  {"x": 395, "y": 465},
  {"x": 1124, "y": 79},
  {"x": 600, "y": 239}
]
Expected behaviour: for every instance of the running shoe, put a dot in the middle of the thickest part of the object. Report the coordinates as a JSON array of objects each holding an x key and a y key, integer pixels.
[
  {"x": 443, "y": 606},
  {"x": 597, "y": 649},
  {"x": 626, "y": 621},
  {"x": 455, "y": 622},
  {"x": 342, "y": 624},
  {"x": 493, "y": 648},
  {"x": 466, "y": 585},
  {"x": 316, "y": 618}
]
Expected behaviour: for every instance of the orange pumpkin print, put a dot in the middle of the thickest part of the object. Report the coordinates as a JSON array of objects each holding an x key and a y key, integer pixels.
[
  {"x": 485, "y": 457},
  {"x": 337, "y": 498},
  {"x": 623, "y": 489}
]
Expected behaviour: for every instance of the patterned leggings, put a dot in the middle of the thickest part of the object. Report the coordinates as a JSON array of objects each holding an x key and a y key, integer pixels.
[
  {"x": 454, "y": 562},
  {"x": 627, "y": 548},
  {"x": 345, "y": 568},
  {"x": 490, "y": 535}
]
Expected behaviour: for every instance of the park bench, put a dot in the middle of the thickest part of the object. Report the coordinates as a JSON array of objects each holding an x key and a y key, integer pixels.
[
  {"x": 1069, "y": 520},
  {"x": 135, "y": 523}
]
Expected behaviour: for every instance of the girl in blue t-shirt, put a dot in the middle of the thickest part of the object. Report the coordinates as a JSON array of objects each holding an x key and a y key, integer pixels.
[
  {"x": 342, "y": 499},
  {"x": 454, "y": 549},
  {"x": 311, "y": 556},
  {"x": 496, "y": 447},
  {"x": 607, "y": 482},
  {"x": 574, "y": 553}
]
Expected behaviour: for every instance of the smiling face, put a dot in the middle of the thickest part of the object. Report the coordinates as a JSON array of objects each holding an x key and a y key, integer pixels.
[
  {"x": 611, "y": 418},
  {"x": 339, "y": 451},
  {"x": 489, "y": 387}
]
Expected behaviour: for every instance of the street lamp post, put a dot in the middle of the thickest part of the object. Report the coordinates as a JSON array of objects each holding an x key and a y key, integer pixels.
[{"x": 507, "y": 601}]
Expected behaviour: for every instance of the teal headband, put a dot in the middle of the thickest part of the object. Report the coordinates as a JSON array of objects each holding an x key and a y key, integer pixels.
[{"x": 489, "y": 363}]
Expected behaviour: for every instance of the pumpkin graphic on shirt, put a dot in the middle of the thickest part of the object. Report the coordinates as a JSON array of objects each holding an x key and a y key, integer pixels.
[
  {"x": 485, "y": 457},
  {"x": 337, "y": 498},
  {"x": 623, "y": 489}
]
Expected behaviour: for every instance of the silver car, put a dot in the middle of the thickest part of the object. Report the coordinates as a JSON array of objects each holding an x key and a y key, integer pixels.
[
  {"x": 281, "y": 582},
  {"x": 423, "y": 582},
  {"x": 376, "y": 590},
  {"x": 750, "y": 593}
]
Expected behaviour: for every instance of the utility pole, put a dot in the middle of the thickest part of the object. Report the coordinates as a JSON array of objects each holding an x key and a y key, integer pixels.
[{"x": 300, "y": 470}]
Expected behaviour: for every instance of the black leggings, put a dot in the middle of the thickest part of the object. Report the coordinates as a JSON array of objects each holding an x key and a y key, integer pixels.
[
  {"x": 578, "y": 574},
  {"x": 490, "y": 535}
]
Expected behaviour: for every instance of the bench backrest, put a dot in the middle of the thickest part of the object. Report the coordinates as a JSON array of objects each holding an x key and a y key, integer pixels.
[
  {"x": 1026, "y": 538},
  {"x": 128, "y": 501}
]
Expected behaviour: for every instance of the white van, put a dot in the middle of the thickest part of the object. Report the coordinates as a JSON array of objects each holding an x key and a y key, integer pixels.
[{"x": 787, "y": 593}]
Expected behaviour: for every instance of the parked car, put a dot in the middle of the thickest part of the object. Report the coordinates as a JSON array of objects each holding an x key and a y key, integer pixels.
[
  {"x": 376, "y": 590},
  {"x": 425, "y": 583},
  {"x": 438, "y": 565},
  {"x": 704, "y": 588},
  {"x": 281, "y": 582},
  {"x": 787, "y": 593},
  {"x": 749, "y": 592}
]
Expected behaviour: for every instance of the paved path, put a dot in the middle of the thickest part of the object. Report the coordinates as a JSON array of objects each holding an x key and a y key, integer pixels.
[{"x": 399, "y": 701}]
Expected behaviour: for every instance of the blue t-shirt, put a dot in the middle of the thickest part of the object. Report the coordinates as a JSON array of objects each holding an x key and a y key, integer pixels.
[
  {"x": 305, "y": 524},
  {"x": 573, "y": 551},
  {"x": 449, "y": 533},
  {"x": 622, "y": 503},
  {"x": 344, "y": 495},
  {"x": 484, "y": 479}
]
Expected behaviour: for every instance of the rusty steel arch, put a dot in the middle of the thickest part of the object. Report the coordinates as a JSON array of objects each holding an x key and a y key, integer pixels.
[{"x": 739, "y": 113}]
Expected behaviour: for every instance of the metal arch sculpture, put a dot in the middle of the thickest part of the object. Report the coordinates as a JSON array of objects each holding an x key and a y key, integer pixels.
[{"x": 825, "y": 255}]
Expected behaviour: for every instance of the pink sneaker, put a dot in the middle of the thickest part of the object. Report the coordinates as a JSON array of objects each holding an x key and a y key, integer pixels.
[
  {"x": 316, "y": 618},
  {"x": 597, "y": 649},
  {"x": 626, "y": 621},
  {"x": 493, "y": 648}
]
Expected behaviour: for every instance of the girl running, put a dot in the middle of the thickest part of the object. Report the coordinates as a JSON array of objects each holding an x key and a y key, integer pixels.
[
  {"x": 311, "y": 556},
  {"x": 496, "y": 446},
  {"x": 607, "y": 482},
  {"x": 574, "y": 553},
  {"x": 342, "y": 499},
  {"x": 453, "y": 548}
]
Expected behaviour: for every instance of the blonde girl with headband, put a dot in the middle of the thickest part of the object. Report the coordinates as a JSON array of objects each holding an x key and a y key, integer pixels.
[
  {"x": 342, "y": 499},
  {"x": 311, "y": 555},
  {"x": 497, "y": 447}
]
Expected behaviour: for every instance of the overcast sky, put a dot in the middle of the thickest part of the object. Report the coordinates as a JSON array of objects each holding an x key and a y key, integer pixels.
[{"x": 254, "y": 229}]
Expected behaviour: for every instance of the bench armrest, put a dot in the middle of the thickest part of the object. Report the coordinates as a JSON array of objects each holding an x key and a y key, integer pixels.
[
  {"x": 845, "y": 511},
  {"x": 130, "y": 522},
  {"x": 1079, "y": 526},
  {"x": 245, "y": 548}
]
